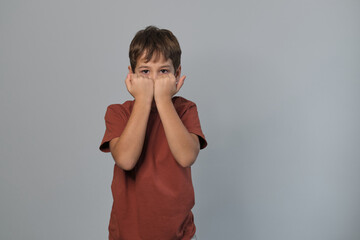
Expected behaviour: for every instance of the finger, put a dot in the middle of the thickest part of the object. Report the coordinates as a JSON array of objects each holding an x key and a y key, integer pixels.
[
  {"x": 134, "y": 78},
  {"x": 172, "y": 77}
]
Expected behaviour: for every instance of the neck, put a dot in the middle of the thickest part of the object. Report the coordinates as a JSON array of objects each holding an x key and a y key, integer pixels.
[{"x": 153, "y": 104}]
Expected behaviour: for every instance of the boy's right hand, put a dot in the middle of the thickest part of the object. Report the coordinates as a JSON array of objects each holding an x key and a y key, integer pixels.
[{"x": 140, "y": 87}]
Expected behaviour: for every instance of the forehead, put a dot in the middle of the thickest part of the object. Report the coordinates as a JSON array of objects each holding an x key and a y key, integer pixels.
[{"x": 156, "y": 58}]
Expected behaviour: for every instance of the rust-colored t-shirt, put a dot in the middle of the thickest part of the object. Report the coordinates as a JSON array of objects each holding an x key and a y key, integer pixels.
[{"x": 153, "y": 201}]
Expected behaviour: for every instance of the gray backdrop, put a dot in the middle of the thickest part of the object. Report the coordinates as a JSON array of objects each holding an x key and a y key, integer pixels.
[{"x": 277, "y": 84}]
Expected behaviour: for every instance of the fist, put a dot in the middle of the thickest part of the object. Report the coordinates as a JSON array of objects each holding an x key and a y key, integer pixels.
[
  {"x": 166, "y": 86},
  {"x": 140, "y": 87}
]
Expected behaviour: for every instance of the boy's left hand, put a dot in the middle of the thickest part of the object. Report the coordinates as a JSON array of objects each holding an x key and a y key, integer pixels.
[{"x": 166, "y": 86}]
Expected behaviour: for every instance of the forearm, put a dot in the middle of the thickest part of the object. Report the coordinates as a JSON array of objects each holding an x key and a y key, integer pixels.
[
  {"x": 183, "y": 145},
  {"x": 127, "y": 150}
]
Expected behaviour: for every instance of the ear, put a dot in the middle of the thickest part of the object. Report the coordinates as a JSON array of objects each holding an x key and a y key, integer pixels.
[
  {"x": 178, "y": 73},
  {"x": 180, "y": 82}
]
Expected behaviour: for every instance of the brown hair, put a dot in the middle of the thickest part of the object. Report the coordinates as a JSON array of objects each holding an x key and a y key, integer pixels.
[{"x": 154, "y": 40}]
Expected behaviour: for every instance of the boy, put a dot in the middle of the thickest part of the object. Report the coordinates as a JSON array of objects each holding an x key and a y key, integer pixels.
[{"x": 153, "y": 139}]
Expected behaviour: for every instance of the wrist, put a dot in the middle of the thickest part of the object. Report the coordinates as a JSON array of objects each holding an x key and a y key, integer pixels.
[
  {"x": 163, "y": 102},
  {"x": 144, "y": 98},
  {"x": 162, "y": 98},
  {"x": 143, "y": 103}
]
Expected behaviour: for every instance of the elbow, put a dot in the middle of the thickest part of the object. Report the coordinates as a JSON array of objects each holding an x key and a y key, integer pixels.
[
  {"x": 186, "y": 164},
  {"x": 123, "y": 159},
  {"x": 187, "y": 157},
  {"x": 125, "y": 164},
  {"x": 187, "y": 161}
]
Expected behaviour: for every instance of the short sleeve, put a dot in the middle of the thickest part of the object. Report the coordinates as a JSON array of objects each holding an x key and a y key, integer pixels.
[
  {"x": 115, "y": 122},
  {"x": 191, "y": 121}
]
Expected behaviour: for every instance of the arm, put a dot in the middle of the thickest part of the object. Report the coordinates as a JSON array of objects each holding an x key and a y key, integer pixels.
[
  {"x": 127, "y": 148},
  {"x": 183, "y": 145}
]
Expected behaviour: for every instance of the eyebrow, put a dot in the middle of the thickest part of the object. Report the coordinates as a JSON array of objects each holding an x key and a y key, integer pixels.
[
  {"x": 143, "y": 66},
  {"x": 163, "y": 66}
]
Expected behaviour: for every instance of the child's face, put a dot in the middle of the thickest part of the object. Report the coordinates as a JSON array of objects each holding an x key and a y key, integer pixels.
[{"x": 156, "y": 67}]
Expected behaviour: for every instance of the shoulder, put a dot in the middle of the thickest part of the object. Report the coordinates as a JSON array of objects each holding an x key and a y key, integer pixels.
[
  {"x": 181, "y": 102},
  {"x": 182, "y": 105},
  {"x": 120, "y": 108}
]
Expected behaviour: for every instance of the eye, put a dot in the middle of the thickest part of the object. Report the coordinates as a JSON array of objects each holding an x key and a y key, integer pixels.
[
  {"x": 145, "y": 71},
  {"x": 164, "y": 71}
]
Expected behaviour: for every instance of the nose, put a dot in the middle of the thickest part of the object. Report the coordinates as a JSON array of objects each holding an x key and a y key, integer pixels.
[{"x": 153, "y": 75}]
